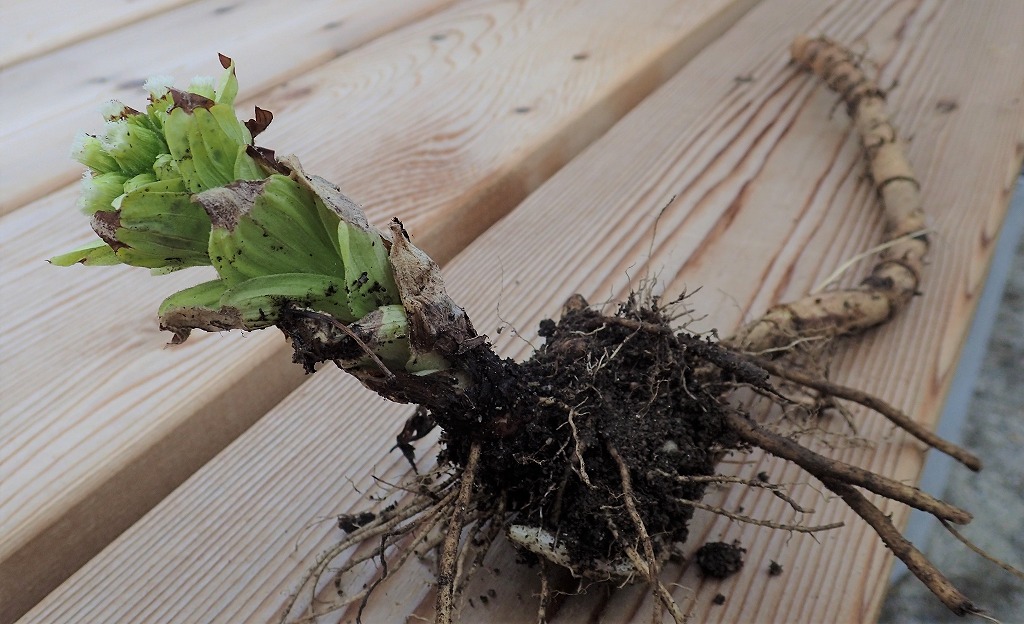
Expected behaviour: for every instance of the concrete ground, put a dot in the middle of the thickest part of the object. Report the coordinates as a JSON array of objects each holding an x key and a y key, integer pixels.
[{"x": 994, "y": 430}]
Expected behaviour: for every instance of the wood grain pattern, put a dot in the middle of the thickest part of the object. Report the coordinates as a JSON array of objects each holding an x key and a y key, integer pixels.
[
  {"x": 85, "y": 462},
  {"x": 30, "y": 29},
  {"x": 769, "y": 200},
  {"x": 39, "y": 117}
]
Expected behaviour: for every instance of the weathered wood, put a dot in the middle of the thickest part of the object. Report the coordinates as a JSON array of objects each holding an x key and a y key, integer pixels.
[
  {"x": 509, "y": 104},
  {"x": 30, "y": 29},
  {"x": 38, "y": 116},
  {"x": 769, "y": 200}
]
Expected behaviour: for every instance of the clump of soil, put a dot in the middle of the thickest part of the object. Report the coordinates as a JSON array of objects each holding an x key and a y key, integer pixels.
[
  {"x": 719, "y": 559},
  {"x": 592, "y": 455},
  {"x": 603, "y": 395},
  {"x": 595, "y": 453}
]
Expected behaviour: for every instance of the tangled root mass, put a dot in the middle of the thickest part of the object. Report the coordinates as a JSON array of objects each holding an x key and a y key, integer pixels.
[{"x": 598, "y": 394}]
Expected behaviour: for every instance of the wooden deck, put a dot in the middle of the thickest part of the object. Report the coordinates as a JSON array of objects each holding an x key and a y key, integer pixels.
[{"x": 530, "y": 146}]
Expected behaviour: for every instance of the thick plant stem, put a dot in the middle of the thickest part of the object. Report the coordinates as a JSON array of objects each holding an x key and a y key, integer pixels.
[{"x": 897, "y": 274}]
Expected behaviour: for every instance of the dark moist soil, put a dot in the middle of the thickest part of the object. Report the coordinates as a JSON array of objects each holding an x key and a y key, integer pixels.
[
  {"x": 598, "y": 383},
  {"x": 550, "y": 428},
  {"x": 719, "y": 559}
]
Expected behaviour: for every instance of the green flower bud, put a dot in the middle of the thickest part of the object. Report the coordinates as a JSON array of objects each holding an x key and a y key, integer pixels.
[
  {"x": 115, "y": 109},
  {"x": 100, "y": 191},
  {"x": 133, "y": 145},
  {"x": 158, "y": 87},
  {"x": 208, "y": 145},
  {"x": 166, "y": 168},
  {"x": 180, "y": 185},
  {"x": 139, "y": 181},
  {"x": 160, "y": 100},
  {"x": 89, "y": 151},
  {"x": 204, "y": 86},
  {"x": 145, "y": 166}
]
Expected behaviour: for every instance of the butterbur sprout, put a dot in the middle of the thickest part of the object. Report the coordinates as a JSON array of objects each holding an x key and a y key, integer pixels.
[{"x": 554, "y": 450}]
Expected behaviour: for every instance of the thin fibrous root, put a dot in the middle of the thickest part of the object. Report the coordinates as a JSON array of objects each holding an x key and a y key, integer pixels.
[
  {"x": 397, "y": 533},
  {"x": 387, "y": 523},
  {"x": 429, "y": 522},
  {"x": 724, "y": 358},
  {"x": 845, "y": 266},
  {"x": 797, "y": 528},
  {"x": 825, "y": 468},
  {"x": 380, "y": 577},
  {"x": 660, "y": 591},
  {"x": 896, "y": 276},
  {"x": 470, "y": 548},
  {"x": 634, "y": 515},
  {"x": 382, "y": 526},
  {"x": 890, "y": 412},
  {"x": 652, "y": 569},
  {"x": 578, "y": 446},
  {"x": 493, "y": 530},
  {"x": 545, "y": 593},
  {"x": 915, "y": 561},
  {"x": 774, "y": 488},
  {"x": 544, "y": 598},
  {"x": 447, "y": 573},
  {"x": 981, "y": 553}
]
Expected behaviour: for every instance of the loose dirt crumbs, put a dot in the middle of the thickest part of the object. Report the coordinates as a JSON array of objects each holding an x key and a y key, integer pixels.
[{"x": 720, "y": 560}]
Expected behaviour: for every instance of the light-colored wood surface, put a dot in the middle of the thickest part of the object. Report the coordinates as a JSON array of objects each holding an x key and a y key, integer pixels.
[
  {"x": 269, "y": 45},
  {"x": 30, "y": 29},
  {"x": 769, "y": 200},
  {"x": 509, "y": 104}
]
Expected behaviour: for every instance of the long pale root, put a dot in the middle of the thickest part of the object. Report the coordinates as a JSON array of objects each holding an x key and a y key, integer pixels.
[{"x": 896, "y": 276}]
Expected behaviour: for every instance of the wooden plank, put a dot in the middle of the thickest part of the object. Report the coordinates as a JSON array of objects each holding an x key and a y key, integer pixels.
[
  {"x": 769, "y": 201},
  {"x": 465, "y": 159},
  {"x": 39, "y": 117},
  {"x": 30, "y": 29}
]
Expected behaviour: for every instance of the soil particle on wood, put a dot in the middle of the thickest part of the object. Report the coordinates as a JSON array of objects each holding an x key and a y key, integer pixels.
[
  {"x": 350, "y": 522},
  {"x": 719, "y": 559}
]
